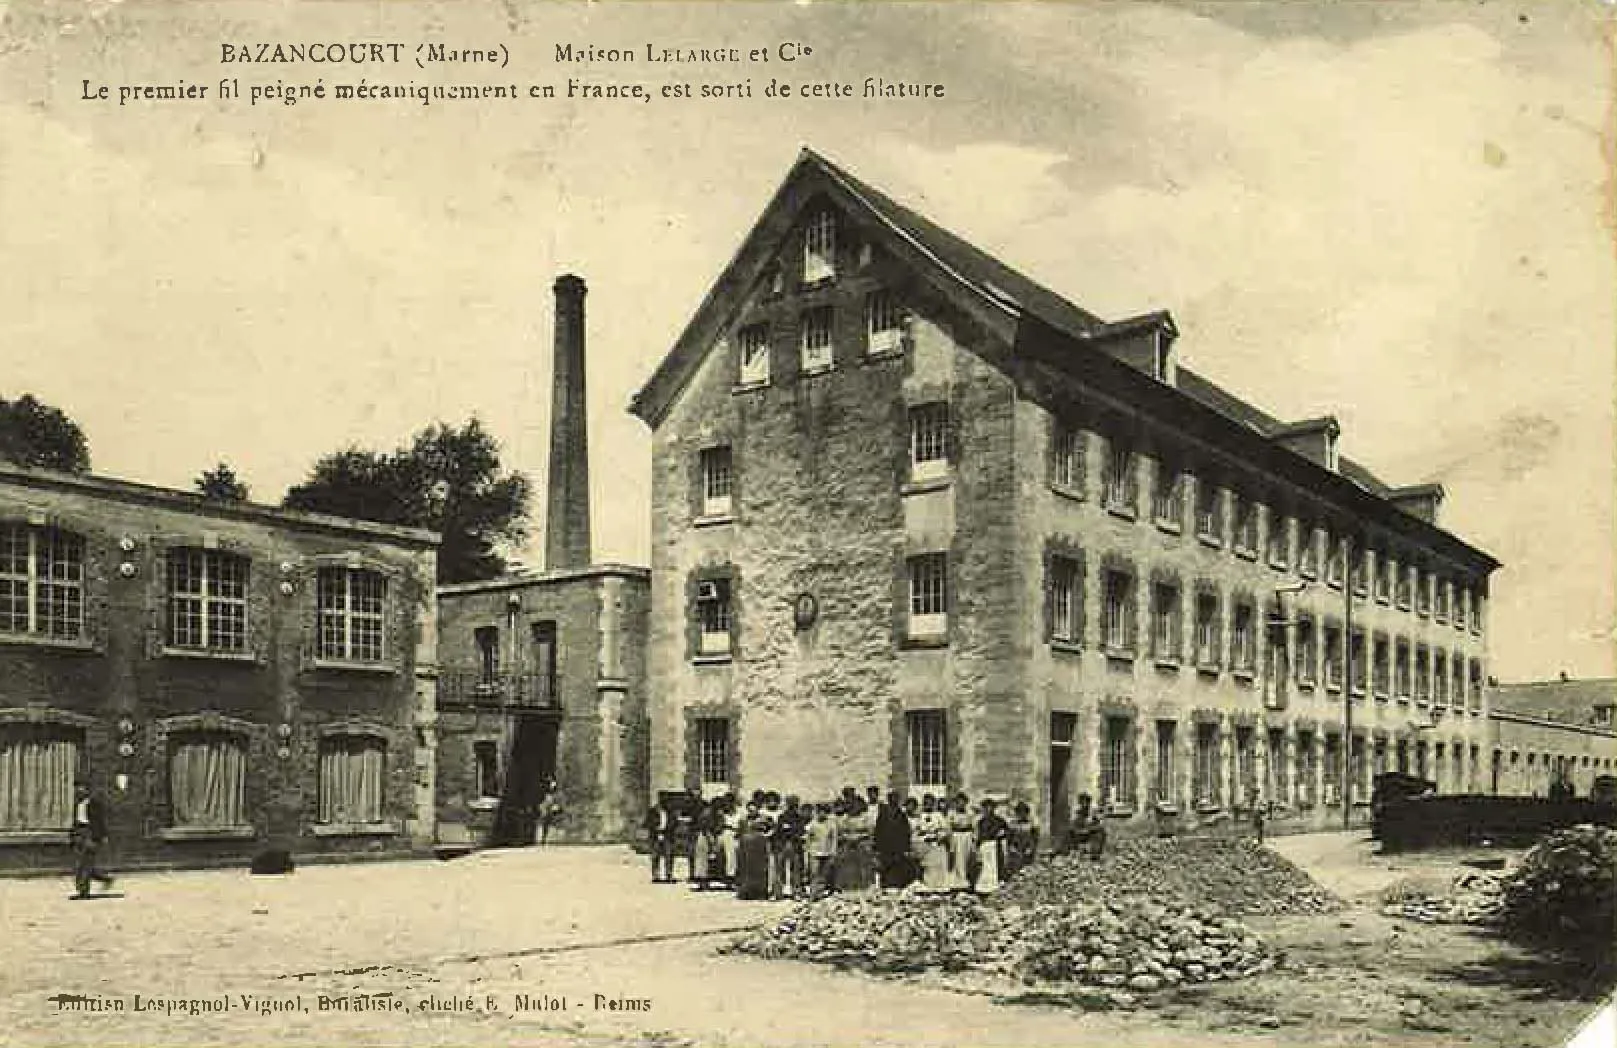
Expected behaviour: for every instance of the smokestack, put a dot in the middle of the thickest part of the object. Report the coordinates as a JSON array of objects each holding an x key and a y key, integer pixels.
[{"x": 567, "y": 493}]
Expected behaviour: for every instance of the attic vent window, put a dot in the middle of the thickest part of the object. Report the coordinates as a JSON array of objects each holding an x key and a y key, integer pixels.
[
  {"x": 884, "y": 324},
  {"x": 820, "y": 248},
  {"x": 754, "y": 345}
]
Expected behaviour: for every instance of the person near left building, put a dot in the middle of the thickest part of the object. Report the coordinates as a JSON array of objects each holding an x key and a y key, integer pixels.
[{"x": 89, "y": 833}]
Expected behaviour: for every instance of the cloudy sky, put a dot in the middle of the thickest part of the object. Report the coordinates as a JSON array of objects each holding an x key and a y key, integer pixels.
[{"x": 1400, "y": 213}]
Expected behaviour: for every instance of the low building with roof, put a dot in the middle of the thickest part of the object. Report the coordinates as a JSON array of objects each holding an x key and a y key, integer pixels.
[
  {"x": 1553, "y": 731},
  {"x": 230, "y": 677}
]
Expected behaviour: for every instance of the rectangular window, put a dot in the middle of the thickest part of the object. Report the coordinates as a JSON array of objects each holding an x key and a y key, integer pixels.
[
  {"x": 1067, "y": 457},
  {"x": 208, "y": 779},
  {"x": 1117, "y": 624},
  {"x": 884, "y": 323},
  {"x": 1401, "y": 669},
  {"x": 1165, "y": 618},
  {"x": 1361, "y": 664},
  {"x": 1473, "y": 699},
  {"x": 41, "y": 582},
  {"x": 1207, "y": 640},
  {"x": 488, "y": 655},
  {"x": 929, "y": 441},
  {"x": 1244, "y": 640},
  {"x": 351, "y": 779},
  {"x": 1383, "y": 576},
  {"x": 1279, "y": 553},
  {"x": 1406, "y": 585},
  {"x": 207, "y": 600},
  {"x": 1119, "y": 483},
  {"x": 1307, "y": 768},
  {"x": 717, "y": 482},
  {"x": 1116, "y": 764},
  {"x": 1205, "y": 772},
  {"x": 1168, "y": 496},
  {"x": 1442, "y": 610},
  {"x": 1423, "y": 673},
  {"x": 1307, "y": 549},
  {"x": 820, "y": 248},
  {"x": 1358, "y": 771},
  {"x": 1277, "y": 785},
  {"x": 713, "y": 750},
  {"x": 1246, "y": 523},
  {"x": 1333, "y": 769},
  {"x": 818, "y": 325},
  {"x": 1440, "y": 679},
  {"x": 713, "y": 620},
  {"x": 1164, "y": 788},
  {"x": 351, "y": 604},
  {"x": 486, "y": 754},
  {"x": 1335, "y": 558},
  {"x": 39, "y": 766},
  {"x": 754, "y": 345},
  {"x": 1246, "y": 765},
  {"x": 1307, "y": 652},
  {"x": 928, "y": 748},
  {"x": 1361, "y": 572},
  {"x": 1381, "y": 677},
  {"x": 1209, "y": 521},
  {"x": 1475, "y": 614},
  {"x": 1065, "y": 600},
  {"x": 1333, "y": 657},
  {"x": 929, "y": 595},
  {"x": 1423, "y": 592}
]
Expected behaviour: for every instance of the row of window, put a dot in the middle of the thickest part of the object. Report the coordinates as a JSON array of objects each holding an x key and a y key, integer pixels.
[
  {"x": 42, "y": 595},
  {"x": 207, "y": 776},
  {"x": 1408, "y": 585},
  {"x": 816, "y": 338},
  {"x": 1287, "y": 541},
  {"x": 1311, "y": 774},
  {"x": 1434, "y": 675}
]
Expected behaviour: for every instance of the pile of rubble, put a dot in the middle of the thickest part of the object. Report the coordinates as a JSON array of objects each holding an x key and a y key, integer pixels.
[
  {"x": 1235, "y": 875},
  {"x": 1137, "y": 945},
  {"x": 1474, "y": 898}
]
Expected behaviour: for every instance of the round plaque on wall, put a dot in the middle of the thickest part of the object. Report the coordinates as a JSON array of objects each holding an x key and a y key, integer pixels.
[{"x": 805, "y": 610}]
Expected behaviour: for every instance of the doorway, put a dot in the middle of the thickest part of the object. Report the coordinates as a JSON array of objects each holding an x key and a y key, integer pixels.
[
  {"x": 527, "y": 781},
  {"x": 1062, "y": 727}
]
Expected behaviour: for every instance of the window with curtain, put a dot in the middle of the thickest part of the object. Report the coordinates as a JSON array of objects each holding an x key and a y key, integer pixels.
[
  {"x": 207, "y": 775},
  {"x": 39, "y": 765},
  {"x": 351, "y": 779}
]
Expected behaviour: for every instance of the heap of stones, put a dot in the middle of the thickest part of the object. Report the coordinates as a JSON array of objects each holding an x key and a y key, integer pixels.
[
  {"x": 1474, "y": 898},
  {"x": 1235, "y": 876}
]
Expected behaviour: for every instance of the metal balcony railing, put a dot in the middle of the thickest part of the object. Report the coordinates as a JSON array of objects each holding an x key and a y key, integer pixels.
[{"x": 473, "y": 687}]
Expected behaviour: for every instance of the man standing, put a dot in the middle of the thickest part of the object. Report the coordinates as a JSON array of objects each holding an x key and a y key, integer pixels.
[
  {"x": 893, "y": 842},
  {"x": 89, "y": 831},
  {"x": 660, "y": 835}
]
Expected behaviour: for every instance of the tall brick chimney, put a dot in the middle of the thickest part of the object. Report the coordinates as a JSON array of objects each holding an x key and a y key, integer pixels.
[{"x": 567, "y": 489}]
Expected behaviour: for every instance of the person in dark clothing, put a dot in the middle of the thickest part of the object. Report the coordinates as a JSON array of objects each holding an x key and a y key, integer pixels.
[
  {"x": 89, "y": 833},
  {"x": 892, "y": 840},
  {"x": 660, "y": 836},
  {"x": 1086, "y": 835}
]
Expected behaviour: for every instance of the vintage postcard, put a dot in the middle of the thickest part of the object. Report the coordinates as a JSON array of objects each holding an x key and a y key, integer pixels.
[{"x": 746, "y": 523}]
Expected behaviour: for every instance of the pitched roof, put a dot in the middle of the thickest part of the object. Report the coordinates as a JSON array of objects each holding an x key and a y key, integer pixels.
[
  {"x": 989, "y": 281},
  {"x": 1568, "y": 701}
]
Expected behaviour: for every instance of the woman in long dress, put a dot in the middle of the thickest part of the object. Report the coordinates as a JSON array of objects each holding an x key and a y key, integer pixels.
[
  {"x": 934, "y": 835},
  {"x": 991, "y": 833},
  {"x": 962, "y": 844},
  {"x": 730, "y": 817},
  {"x": 703, "y": 840},
  {"x": 856, "y": 859},
  {"x": 752, "y": 855}
]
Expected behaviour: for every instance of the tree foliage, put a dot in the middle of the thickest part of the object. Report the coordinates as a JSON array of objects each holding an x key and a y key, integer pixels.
[
  {"x": 447, "y": 480},
  {"x": 221, "y": 484},
  {"x": 41, "y": 436}
]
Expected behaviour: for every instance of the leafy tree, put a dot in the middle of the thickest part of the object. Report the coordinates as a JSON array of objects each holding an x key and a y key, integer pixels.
[
  {"x": 221, "y": 484},
  {"x": 448, "y": 480},
  {"x": 35, "y": 434}
]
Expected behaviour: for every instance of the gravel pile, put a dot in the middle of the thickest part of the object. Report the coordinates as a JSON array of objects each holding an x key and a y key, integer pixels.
[
  {"x": 1234, "y": 875},
  {"x": 1474, "y": 898},
  {"x": 1134, "y": 945}
]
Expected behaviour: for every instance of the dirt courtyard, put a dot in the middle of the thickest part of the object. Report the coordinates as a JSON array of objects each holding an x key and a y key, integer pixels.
[{"x": 573, "y": 946}]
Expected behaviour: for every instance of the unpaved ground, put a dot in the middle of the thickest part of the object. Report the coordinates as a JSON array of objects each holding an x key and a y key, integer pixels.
[{"x": 565, "y": 925}]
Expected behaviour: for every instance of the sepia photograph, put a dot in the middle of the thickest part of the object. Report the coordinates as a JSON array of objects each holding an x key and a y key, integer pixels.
[{"x": 808, "y": 523}]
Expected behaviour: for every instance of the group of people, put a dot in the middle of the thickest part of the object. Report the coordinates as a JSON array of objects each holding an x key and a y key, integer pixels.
[{"x": 774, "y": 847}]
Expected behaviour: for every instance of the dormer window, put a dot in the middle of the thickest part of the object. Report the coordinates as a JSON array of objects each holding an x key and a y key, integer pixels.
[
  {"x": 819, "y": 248},
  {"x": 754, "y": 346}
]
